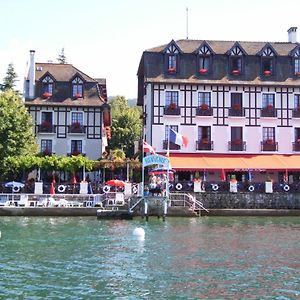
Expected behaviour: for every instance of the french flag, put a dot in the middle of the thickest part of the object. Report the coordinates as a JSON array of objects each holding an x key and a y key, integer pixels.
[
  {"x": 148, "y": 148},
  {"x": 178, "y": 138}
]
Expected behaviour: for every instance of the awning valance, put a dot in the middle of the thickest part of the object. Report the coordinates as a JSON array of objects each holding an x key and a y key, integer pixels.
[{"x": 280, "y": 162}]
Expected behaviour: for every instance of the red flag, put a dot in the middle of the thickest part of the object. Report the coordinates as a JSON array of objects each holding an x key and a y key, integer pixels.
[
  {"x": 148, "y": 148},
  {"x": 52, "y": 189},
  {"x": 223, "y": 175}
]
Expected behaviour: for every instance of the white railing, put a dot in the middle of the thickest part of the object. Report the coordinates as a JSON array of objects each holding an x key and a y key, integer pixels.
[{"x": 182, "y": 199}]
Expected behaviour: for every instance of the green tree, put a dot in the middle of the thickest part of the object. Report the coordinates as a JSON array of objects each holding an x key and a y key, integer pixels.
[
  {"x": 16, "y": 136},
  {"x": 126, "y": 125},
  {"x": 62, "y": 59},
  {"x": 9, "y": 81}
]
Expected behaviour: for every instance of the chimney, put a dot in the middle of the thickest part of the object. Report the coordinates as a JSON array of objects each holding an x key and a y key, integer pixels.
[
  {"x": 31, "y": 75},
  {"x": 292, "y": 35}
]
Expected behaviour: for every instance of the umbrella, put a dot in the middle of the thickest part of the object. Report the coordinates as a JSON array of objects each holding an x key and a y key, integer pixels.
[
  {"x": 16, "y": 186},
  {"x": 223, "y": 175},
  {"x": 52, "y": 189},
  {"x": 115, "y": 182},
  {"x": 73, "y": 180}
]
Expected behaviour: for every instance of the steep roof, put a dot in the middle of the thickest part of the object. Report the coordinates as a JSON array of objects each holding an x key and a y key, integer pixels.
[{"x": 221, "y": 47}]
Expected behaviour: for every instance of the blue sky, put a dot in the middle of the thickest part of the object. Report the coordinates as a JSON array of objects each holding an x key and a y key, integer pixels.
[{"x": 106, "y": 38}]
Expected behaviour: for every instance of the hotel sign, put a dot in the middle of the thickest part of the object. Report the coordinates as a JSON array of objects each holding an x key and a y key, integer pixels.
[{"x": 155, "y": 160}]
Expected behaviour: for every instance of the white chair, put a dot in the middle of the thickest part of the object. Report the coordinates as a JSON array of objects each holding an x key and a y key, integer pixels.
[
  {"x": 120, "y": 199},
  {"x": 23, "y": 202}
]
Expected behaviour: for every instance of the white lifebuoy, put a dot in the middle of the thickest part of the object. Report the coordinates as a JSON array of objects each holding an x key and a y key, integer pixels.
[
  {"x": 16, "y": 189},
  {"x": 286, "y": 187},
  {"x": 178, "y": 186},
  {"x": 215, "y": 187},
  {"x": 61, "y": 188},
  {"x": 251, "y": 188},
  {"x": 106, "y": 189}
]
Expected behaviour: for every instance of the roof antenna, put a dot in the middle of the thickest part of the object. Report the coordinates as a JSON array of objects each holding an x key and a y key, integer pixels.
[{"x": 187, "y": 23}]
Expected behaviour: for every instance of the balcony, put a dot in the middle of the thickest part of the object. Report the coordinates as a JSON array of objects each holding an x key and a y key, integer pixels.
[
  {"x": 296, "y": 112},
  {"x": 236, "y": 111},
  {"x": 76, "y": 128},
  {"x": 172, "y": 110},
  {"x": 204, "y": 110},
  {"x": 46, "y": 127},
  {"x": 296, "y": 145},
  {"x": 268, "y": 112},
  {"x": 237, "y": 145},
  {"x": 269, "y": 145},
  {"x": 46, "y": 153},
  {"x": 172, "y": 146},
  {"x": 204, "y": 144}
]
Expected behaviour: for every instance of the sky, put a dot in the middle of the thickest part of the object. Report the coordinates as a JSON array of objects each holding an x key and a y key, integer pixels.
[{"x": 106, "y": 38}]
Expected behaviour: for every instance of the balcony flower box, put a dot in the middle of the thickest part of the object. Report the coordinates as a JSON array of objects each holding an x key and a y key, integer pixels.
[
  {"x": 76, "y": 125},
  {"x": 171, "y": 70},
  {"x": 236, "y": 106},
  {"x": 235, "y": 72},
  {"x": 47, "y": 95},
  {"x": 203, "y": 71},
  {"x": 46, "y": 124},
  {"x": 204, "y": 106},
  {"x": 77, "y": 95},
  {"x": 237, "y": 141},
  {"x": 267, "y": 73},
  {"x": 75, "y": 153},
  {"x": 269, "y": 142},
  {"x": 173, "y": 105},
  {"x": 270, "y": 107}
]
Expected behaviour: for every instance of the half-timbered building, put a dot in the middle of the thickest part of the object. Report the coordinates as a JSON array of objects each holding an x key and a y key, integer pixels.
[
  {"x": 69, "y": 109},
  {"x": 237, "y": 102}
]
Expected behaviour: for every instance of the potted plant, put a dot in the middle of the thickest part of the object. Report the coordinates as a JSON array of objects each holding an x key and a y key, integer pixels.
[
  {"x": 237, "y": 141},
  {"x": 77, "y": 95},
  {"x": 46, "y": 124},
  {"x": 267, "y": 72},
  {"x": 269, "y": 107},
  {"x": 269, "y": 142},
  {"x": 235, "y": 72},
  {"x": 172, "y": 70},
  {"x": 202, "y": 71},
  {"x": 236, "y": 106},
  {"x": 173, "y": 105},
  {"x": 46, "y": 95},
  {"x": 204, "y": 106},
  {"x": 76, "y": 125},
  {"x": 204, "y": 141}
]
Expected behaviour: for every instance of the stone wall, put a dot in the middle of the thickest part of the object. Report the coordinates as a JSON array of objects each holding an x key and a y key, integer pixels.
[{"x": 249, "y": 200}]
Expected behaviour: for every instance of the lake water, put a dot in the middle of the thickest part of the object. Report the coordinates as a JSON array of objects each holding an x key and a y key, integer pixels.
[{"x": 181, "y": 258}]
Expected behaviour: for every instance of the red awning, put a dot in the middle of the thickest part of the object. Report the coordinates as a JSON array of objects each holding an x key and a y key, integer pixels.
[{"x": 280, "y": 162}]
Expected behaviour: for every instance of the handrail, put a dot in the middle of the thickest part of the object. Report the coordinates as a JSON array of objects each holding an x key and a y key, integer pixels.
[
  {"x": 190, "y": 200},
  {"x": 135, "y": 205}
]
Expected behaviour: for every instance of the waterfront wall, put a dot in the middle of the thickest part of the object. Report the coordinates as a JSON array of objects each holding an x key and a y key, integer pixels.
[{"x": 227, "y": 200}]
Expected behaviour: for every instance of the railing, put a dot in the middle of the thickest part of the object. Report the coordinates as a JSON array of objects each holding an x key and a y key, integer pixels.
[
  {"x": 76, "y": 129},
  {"x": 46, "y": 129},
  {"x": 269, "y": 146},
  {"x": 204, "y": 111},
  {"x": 183, "y": 200},
  {"x": 296, "y": 113},
  {"x": 296, "y": 146},
  {"x": 171, "y": 110},
  {"x": 204, "y": 145},
  {"x": 172, "y": 146},
  {"x": 268, "y": 112},
  {"x": 236, "y": 112},
  {"x": 237, "y": 145}
]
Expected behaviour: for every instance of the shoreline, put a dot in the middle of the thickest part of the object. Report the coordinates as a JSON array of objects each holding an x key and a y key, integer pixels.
[{"x": 92, "y": 211}]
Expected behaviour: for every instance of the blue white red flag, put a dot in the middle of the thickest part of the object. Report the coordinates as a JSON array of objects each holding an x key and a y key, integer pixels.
[{"x": 178, "y": 138}]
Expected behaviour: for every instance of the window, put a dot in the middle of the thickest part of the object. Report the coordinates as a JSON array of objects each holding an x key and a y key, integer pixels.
[
  {"x": 297, "y": 66},
  {"x": 171, "y": 97},
  {"x": 268, "y": 100},
  {"x": 237, "y": 100},
  {"x": 77, "y": 87},
  {"x": 172, "y": 62},
  {"x": 76, "y": 146},
  {"x": 204, "y": 134},
  {"x": 236, "y": 134},
  {"x": 203, "y": 99},
  {"x": 46, "y": 146},
  {"x": 268, "y": 60},
  {"x": 297, "y": 135},
  {"x": 204, "y": 64},
  {"x": 236, "y": 65},
  {"x": 77, "y": 118},
  {"x": 174, "y": 127},
  {"x": 297, "y": 101},
  {"x": 267, "y": 65},
  {"x": 268, "y": 134},
  {"x": 46, "y": 117},
  {"x": 47, "y": 85}
]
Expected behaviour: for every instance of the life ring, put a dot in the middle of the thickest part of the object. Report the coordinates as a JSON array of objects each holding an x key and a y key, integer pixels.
[
  {"x": 178, "y": 186},
  {"x": 286, "y": 187},
  {"x": 215, "y": 187},
  {"x": 251, "y": 188},
  {"x": 61, "y": 188},
  {"x": 106, "y": 189},
  {"x": 16, "y": 189}
]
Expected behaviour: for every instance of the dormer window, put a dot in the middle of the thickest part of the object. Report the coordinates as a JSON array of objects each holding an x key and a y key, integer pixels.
[
  {"x": 236, "y": 55},
  {"x": 297, "y": 66},
  {"x": 47, "y": 86},
  {"x": 204, "y": 54},
  {"x": 77, "y": 88},
  {"x": 172, "y": 58},
  {"x": 268, "y": 60}
]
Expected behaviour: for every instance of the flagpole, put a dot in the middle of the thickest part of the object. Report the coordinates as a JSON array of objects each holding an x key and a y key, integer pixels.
[
  {"x": 143, "y": 175},
  {"x": 168, "y": 168}
]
